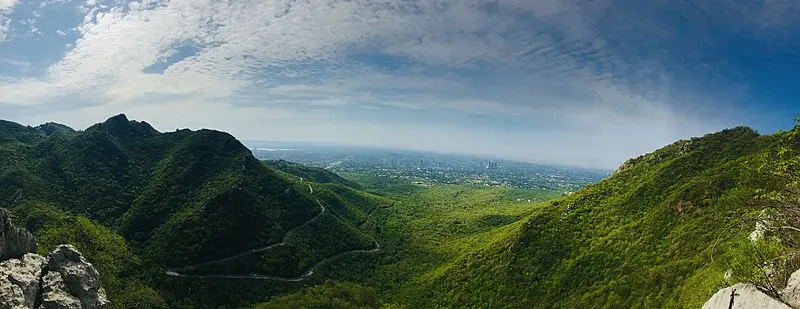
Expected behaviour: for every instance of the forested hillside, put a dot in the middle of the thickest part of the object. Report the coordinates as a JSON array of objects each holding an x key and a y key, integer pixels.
[
  {"x": 191, "y": 219},
  {"x": 660, "y": 233},
  {"x": 139, "y": 201}
]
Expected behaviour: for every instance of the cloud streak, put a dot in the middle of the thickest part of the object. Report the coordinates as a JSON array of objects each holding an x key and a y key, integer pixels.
[
  {"x": 6, "y": 6},
  {"x": 572, "y": 75}
]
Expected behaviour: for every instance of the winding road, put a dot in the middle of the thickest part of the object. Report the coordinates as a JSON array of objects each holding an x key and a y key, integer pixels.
[
  {"x": 252, "y": 251},
  {"x": 177, "y": 272},
  {"x": 302, "y": 277}
]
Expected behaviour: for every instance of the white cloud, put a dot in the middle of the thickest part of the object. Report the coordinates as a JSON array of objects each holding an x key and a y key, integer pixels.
[
  {"x": 28, "y": 92},
  {"x": 542, "y": 60},
  {"x": 237, "y": 41},
  {"x": 6, "y": 6}
]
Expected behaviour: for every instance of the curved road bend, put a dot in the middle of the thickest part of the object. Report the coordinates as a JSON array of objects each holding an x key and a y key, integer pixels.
[
  {"x": 251, "y": 251},
  {"x": 256, "y": 250},
  {"x": 175, "y": 272},
  {"x": 302, "y": 277}
]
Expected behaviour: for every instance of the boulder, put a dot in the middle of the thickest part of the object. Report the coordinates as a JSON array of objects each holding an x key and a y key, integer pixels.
[
  {"x": 55, "y": 294},
  {"x": 743, "y": 296},
  {"x": 14, "y": 241},
  {"x": 791, "y": 294},
  {"x": 19, "y": 281},
  {"x": 81, "y": 278},
  {"x": 63, "y": 280}
]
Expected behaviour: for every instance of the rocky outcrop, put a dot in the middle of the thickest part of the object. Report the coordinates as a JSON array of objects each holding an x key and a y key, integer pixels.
[
  {"x": 63, "y": 280},
  {"x": 743, "y": 296},
  {"x": 14, "y": 241},
  {"x": 652, "y": 158},
  {"x": 70, "y": 276},
  {"x": 19, "y": 281},
  {"x": 55, "y": 293},
  {"x": 791, "y": 294}
]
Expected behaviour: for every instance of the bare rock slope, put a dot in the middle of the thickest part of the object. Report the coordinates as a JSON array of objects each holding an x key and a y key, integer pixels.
[
  {"x": 743, "y": 296},
  {"x": 62, "y": 280}
]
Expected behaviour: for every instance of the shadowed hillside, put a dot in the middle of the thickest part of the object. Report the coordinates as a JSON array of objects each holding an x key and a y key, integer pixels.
[
  {"x": 190, "y": 219},
  {"x": 177, "y": 198}
]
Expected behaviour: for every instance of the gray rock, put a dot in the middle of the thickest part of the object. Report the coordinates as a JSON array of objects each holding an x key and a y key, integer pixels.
[
  {"x": 14, "y": 241},
  {"x": 744, "y": 296},
  {"x": 64, "y": 280},
  {"x": 55, "y": 294},
  {"x": 81, "y": 278},
  {"x": 11, "y": 296},
  {"x": 19, "y": 281},
  {"x": 791, "y": 294}
]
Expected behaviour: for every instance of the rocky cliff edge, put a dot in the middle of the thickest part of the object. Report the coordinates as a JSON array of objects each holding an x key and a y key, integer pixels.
[{"x": 62, "y": 280}]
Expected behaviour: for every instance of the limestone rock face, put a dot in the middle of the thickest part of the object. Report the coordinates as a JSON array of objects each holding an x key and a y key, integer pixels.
[
  {"x": 19, "y": 281},
  {"x": 14, "y": 241},
  {"x": 743, "y": 296},
  {"x": 791, "y": 294},
  {"x": 63, "y": 280},
  {"x": 81, "y": 278},
  {"x": 55, "y": 293}
]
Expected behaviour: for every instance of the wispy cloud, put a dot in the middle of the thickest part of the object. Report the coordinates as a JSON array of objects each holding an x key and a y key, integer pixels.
[
  {"x": 582, "y": 73},
  {"x": 6, "y": 7}
]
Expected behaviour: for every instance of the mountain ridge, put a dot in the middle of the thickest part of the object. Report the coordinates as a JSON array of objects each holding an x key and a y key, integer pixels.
[
  {"x": 177, "y": 198},
  {"x": 657, "y": 233},
  {"x": 640, "y": 238}
]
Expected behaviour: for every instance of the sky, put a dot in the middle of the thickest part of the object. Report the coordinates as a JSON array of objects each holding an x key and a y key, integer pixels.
[{"x": 575, "y": 82}]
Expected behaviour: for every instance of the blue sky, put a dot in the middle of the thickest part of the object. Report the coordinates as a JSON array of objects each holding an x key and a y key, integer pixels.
[{"x": 578, "y": 82}]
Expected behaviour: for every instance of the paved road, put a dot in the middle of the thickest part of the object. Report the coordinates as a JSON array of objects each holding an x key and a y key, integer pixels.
[
  {"x": 306, "y": 274},
  {"x": 251, "y": 251},
  {"x": 177, "y": 272}
]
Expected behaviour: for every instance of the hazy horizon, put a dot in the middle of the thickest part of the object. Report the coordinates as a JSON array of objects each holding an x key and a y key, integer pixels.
[
  {"x": 486, "y": 154},
  {"x": 563, "y": 82}
]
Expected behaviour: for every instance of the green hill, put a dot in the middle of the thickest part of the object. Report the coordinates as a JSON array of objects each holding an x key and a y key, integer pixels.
[
  {"x": 190, "y": 219},
  {"x": 660, "y": 233},
  {"x": 177, "y": 199},
  {"x": 315, "y": 174}
]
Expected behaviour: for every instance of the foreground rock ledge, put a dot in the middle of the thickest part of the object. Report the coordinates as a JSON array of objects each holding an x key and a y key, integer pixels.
[
  {"x": 63, "y": 280},
  {"x": 743, "y": 296}
]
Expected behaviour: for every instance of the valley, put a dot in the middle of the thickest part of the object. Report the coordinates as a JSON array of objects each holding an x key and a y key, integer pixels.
[{"x": 191, "y": 219}]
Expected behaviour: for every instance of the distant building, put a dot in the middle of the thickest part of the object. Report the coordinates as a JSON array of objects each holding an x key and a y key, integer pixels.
[{"x": 490, "y": 165}]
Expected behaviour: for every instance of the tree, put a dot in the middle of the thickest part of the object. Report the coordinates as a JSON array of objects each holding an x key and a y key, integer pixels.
[{"x": 769, "y": 259}]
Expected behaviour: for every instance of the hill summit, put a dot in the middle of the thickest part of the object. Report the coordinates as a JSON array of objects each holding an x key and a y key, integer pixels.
[
  {"x": 668, "y": 229},
  {"x": 191, "y": 219},
  {"x": 176, "y": 199}
]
